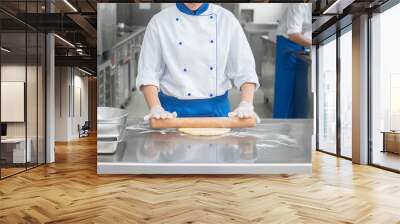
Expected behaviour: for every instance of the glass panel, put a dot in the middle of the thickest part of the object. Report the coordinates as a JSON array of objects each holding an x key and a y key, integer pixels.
[
  {"x": 32, "y": 89},
  {"x": 13, "y": 87},
  {"x": 31, "y": 97},
  {"x": 346, "y": 94},
  {"x": 23, "y": 89},
  {"x": 41, "y": 98},
  {"x": 385, "y": 89},
  {"x": 327, "y": 97}
]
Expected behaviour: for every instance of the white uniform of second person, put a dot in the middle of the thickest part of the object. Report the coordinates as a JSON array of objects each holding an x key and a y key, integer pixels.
[{"x": 296, "y": 19}]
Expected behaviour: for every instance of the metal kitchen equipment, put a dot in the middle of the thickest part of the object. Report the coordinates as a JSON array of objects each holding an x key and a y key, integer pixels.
[{"x": 111, "y": 123}]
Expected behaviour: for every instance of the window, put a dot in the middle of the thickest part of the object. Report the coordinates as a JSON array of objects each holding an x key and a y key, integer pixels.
[
  {"x": 394, "y": 102},
  {"x": 385, "y": 89},
  {"x": 327, "y": 97},
  {"x": 329, "y": 112},
  {"x": 346, "y": 93}
]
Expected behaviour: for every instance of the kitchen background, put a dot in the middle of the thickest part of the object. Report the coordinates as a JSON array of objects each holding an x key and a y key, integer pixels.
[{"x": 121, "y": 28}]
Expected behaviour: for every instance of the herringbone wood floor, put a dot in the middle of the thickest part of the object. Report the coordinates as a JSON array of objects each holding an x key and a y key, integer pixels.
[{"x": 70, "y": 191}]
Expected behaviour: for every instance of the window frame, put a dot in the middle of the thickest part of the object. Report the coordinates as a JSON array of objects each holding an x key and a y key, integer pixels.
[
  {"x": 379, "y": 10},
  {"x": 334, "y": 37}
]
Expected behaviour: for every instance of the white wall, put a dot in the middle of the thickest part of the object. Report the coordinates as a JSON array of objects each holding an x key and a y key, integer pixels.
[
  {"x": 80, "y": 84},
  {"x": 13, "y": 73},
  {"x": 61, "y": 103},
  {"x": 265, "y": 13},
  {"x": 13, "y": 101},
  {"x": 68, "y": 82},
  {"x": 16, "y": 72}
]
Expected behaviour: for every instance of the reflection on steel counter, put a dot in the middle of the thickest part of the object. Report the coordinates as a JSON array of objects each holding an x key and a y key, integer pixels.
[
  {"x": 274, "y": 146},
  {"x": 158, "y": 147}
]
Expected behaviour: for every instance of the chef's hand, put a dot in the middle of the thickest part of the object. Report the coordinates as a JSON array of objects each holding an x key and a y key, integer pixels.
[
  {"x": 244, "y": 110},
  {"x": 158, "y": 112}
]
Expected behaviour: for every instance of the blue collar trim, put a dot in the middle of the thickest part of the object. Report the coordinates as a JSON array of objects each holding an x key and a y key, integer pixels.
[{"x": 183, "y": 8}]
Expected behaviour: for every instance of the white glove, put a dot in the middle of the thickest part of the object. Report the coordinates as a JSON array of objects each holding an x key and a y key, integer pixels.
[
  {"x": 244, "y": 110},
  {"x": 158, "y": 112}
]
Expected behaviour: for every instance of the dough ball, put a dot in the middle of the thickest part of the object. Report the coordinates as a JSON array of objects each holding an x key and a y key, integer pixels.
[{"x": 204, "y": 131}]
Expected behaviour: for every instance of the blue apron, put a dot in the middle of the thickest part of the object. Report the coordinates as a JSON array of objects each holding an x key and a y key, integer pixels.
[
  {"x": 214, "y": 107},
  {"x": 291, "y": 81}
]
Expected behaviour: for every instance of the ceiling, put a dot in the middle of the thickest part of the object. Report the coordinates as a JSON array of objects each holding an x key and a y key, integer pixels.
[
  {"x": 76, "y": 20},
  {"x": 330, "y": 15},
  {"x": 23, "y": 48}
]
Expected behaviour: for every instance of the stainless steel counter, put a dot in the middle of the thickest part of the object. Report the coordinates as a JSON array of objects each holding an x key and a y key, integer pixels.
[{"x": 273, "y": 147}]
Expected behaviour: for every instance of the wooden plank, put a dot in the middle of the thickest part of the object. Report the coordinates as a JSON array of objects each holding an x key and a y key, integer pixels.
[{"x": 70, "y": 191}]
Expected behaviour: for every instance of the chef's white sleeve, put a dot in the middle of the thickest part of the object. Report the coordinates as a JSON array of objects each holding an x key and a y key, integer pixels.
[
  {"x": 151, "y": 64},
  {"x": 241, "y": 67},
  {"x": 295, "y": 18}
]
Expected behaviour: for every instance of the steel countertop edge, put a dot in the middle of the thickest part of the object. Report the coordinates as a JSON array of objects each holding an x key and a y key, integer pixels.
[{"x": 275, "y": 146}]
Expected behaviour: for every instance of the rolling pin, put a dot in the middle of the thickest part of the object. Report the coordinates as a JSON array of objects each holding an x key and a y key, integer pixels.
[{"x": 203, "y": 122}]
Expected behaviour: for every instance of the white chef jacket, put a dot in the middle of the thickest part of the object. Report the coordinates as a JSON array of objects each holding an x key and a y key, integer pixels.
[
  {"x": 296, "y": 19},
  {"x": 195, "y": 56}
]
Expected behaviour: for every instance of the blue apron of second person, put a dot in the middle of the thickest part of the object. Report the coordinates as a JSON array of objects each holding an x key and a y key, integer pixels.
[
  {"x": 215, "y": 107},
  {"x": 291, "y": 80}
]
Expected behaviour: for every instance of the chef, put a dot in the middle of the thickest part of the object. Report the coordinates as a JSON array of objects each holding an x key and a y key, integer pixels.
[
  {"x": 191, "y": 53},
  {"x": 294, "y": 36}
]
